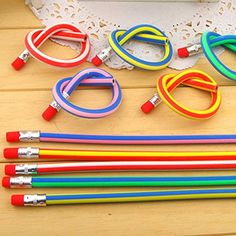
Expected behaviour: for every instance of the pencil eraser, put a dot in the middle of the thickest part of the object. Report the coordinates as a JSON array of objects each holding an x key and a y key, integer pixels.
[
  {"x": 49, "y": 113},
  {"x": 10, "y": 153},
  {"x": 13, "y": 137},
  {"x": 18, "y": 63},
  {"x": 183, "y": 52},
  {"x": 6, "y": 182},
  {"x": 96, "y": 61},
  {"x": 10, "y": 169},
  {"x": 147, "y": 107},
  {"x": 17, "y": 200}
]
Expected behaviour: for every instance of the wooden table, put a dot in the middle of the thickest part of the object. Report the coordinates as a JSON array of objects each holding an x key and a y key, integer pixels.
[{"x": 26, "y": 93}]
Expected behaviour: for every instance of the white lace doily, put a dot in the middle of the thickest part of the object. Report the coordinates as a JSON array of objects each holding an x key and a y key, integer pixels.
[{"x": 183, "y": 23}]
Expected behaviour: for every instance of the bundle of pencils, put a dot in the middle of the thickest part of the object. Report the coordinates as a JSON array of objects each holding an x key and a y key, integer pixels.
[{"x": 27, "y": 175}]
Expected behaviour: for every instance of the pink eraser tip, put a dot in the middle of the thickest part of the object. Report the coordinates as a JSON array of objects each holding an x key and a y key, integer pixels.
[
  {"x": 183, "y": 52},
  {"x": 18, "y": 63},
  {"x": 10, "y": 153},
  {"x": 96, "y": 61},
  {"x": 17, "y": 200},
  {"x": 6, "y": 182},
  {"x": 13, "y": 136},
  {"x": 147, "y": 107},
  {"x": 49, "y": 113},
  {"x": 10, "y": 169}
]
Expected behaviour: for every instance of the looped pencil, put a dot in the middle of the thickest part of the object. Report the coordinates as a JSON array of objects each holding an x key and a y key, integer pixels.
[
  {"x": 144, "y": 33},
  {"x": 209, "y": 40},
  {"x": 36, "y": 38},
  {"x": 192, "y": 78},
  {"x": 89, "y": 77}
]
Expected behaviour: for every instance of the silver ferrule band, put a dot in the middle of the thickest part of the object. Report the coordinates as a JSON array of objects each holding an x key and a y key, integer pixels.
[
  {"x": 24, "y": 55},
  {"x": 28, "y": 152},
  {"x": 21, "y": 182},
  {"x": 35, "y": 200},
  {"x": 29, "y": 136},
  {"x": 155, "y": 100},
  {"x": 65, "y": 95},
  {"x": 26, "y": 169},
  {"x": 105, "y": 54},
  {"x": 55, "y": 105},
  {"x": 194, "y": 49}
]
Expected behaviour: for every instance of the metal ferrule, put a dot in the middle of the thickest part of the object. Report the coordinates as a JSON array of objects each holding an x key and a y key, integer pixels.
[
  {"x": 29, "y": 136},
  {"x": 155, "y": 100},
  {"x": 26, "y": 169},
  {"x": 28, "y": 152},
  {"x": 55, "y": 105},
  {"x": 24, "y": 56},
  {"x": 65, "y": 95},
  {"x": 194, "y": 49},
  {"x": 21, "y": 182},
  {"x": 105, "y": 54},
  {"x": 35, "y": 200}
]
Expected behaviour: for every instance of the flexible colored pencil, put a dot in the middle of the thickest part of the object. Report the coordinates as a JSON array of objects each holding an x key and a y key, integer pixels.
[
  {"x": 115, "y": 197},
  {"x": 116, "y": 181},
  {"x": 35, "y": 136},
  {"x": 117, "y": 155},
  {"x": 52, "y": 168}
]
